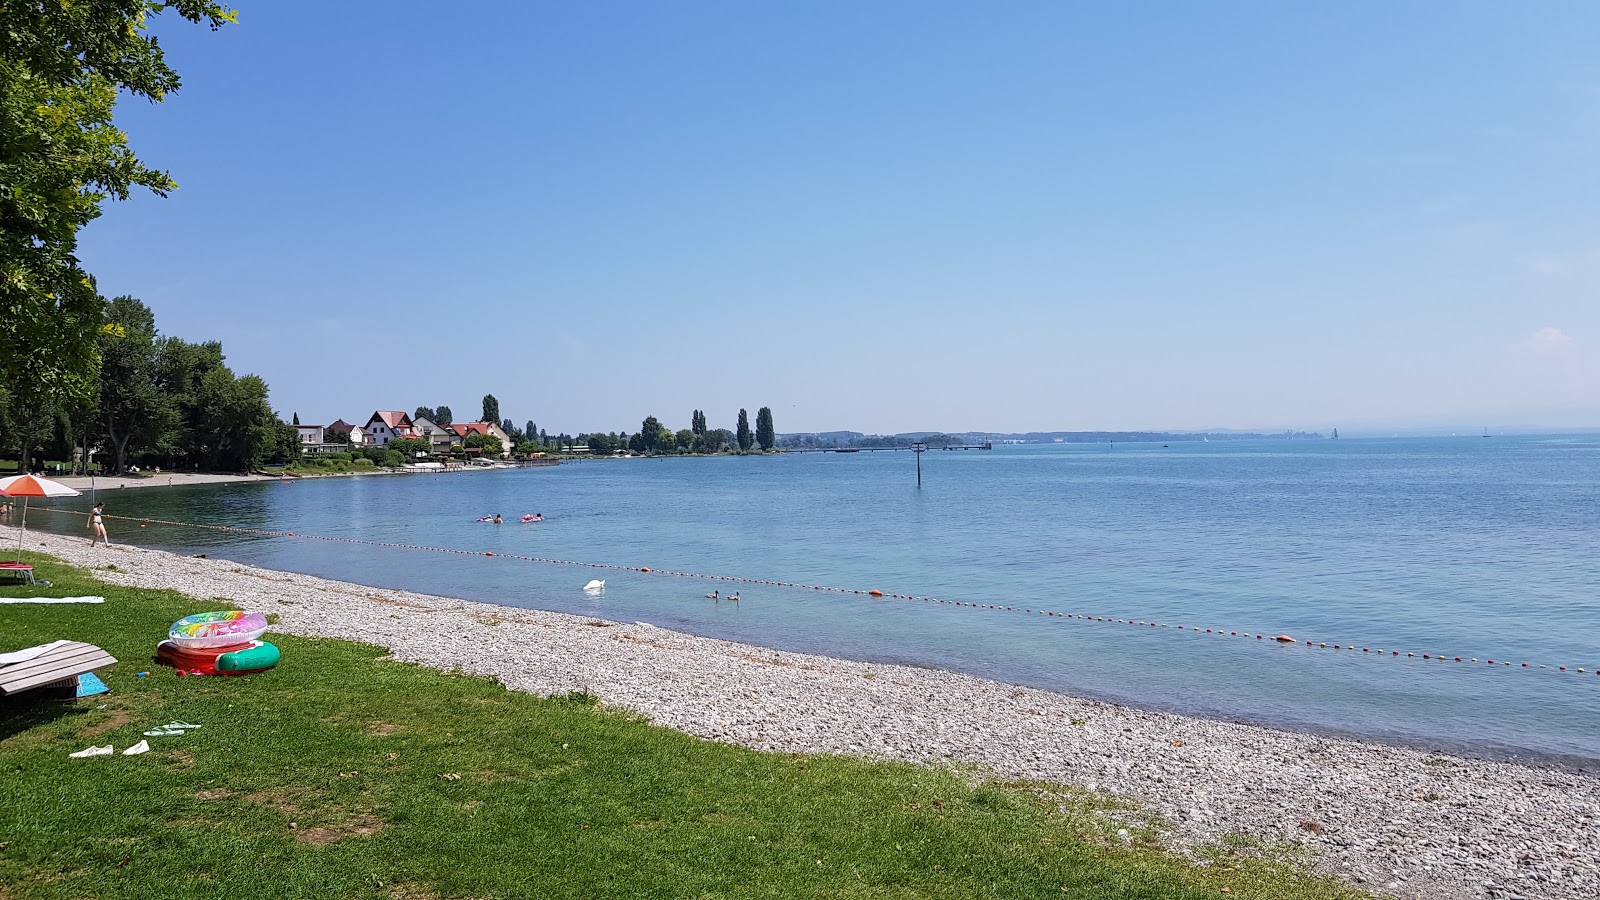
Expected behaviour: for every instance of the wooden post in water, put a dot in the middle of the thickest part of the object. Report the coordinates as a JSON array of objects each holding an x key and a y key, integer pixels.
[{"x": 917, "y": 447}]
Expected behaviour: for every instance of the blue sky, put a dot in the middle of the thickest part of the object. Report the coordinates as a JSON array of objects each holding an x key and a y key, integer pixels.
[{"x": 885, "y": 216}]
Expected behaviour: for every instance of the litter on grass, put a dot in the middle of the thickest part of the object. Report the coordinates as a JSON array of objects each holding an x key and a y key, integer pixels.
[{"x": 171, "y": 729}]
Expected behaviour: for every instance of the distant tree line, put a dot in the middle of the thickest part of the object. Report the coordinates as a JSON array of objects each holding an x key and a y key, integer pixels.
[{"x": 656, "y": 439}]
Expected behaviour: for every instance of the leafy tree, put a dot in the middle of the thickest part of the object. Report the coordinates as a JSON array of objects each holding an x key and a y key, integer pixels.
[
  {"x": 544, "y": 437},
  {"x": 697, "y": 423},
  {"x": 281, "y": 445},
  {"x": 133, "y": 403},
  {"x": 527, "y": 448},
  {"x": 512, "y": 432},
  {"x": 685, "y": 441},
  {"x": 296, "y": 419},
  {"x": 746, "y": 440},
  {"x": 336, "y": 437},
  {"x": 491, "y": 409},
  {"x": 765, "y": 435},
  {"x": 650, "y": 434},
  {"x": 409, "y": 447},
  {"x": 235, "y": 424},
  {"x": 61, "y": 68},
  {"x": 531, "y": 432},
  {"x": 424, "y": 412},
  {"x": 489, "y": 443},
  {"x": 441, "y": 415}
]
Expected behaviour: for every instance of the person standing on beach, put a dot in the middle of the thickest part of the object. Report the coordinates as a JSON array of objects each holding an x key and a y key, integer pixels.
[{"x": 97, "y": 525}]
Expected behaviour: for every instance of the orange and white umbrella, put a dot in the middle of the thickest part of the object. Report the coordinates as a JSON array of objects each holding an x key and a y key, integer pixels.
[{"x": 26, "y": 486}]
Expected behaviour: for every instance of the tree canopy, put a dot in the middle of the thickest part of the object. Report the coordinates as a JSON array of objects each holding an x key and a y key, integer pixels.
[
  {"x": 766, "y": 436},
  {"x": 491, "y": 409},
  {"x": 62, "y": 66},
  {"x": 746, "y": 439}
]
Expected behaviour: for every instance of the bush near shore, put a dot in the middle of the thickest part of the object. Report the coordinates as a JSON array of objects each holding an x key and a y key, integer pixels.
[{"x": 342, "y": 773}]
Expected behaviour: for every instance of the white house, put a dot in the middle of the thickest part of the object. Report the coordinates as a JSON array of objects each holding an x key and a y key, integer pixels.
[
  {"x": 387, "y": 425},
  {"x": 310, "y": 435}
]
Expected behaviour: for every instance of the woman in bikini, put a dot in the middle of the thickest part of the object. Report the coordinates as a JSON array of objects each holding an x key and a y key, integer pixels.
[{"x": 97, "y": 525}]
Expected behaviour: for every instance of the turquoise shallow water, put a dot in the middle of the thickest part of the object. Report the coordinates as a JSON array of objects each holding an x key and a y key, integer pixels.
[{"x": 1460, "y": 546}]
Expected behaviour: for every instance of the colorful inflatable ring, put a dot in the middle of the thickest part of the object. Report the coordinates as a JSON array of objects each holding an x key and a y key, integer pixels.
[
  {"x": 240, "y": 659},
  {"x": 227, "y": 628}
]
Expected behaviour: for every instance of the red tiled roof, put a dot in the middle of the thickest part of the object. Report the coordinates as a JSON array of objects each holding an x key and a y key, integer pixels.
[{"x": 393, "y": 418}]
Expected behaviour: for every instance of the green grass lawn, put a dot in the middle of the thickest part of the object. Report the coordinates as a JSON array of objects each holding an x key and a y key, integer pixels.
[{"x": 343, "y": 774}]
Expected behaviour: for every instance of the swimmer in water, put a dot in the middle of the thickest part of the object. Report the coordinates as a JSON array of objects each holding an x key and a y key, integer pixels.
[{"x": 497, "y": 518}]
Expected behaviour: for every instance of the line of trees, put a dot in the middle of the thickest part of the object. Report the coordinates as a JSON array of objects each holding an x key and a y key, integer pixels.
[
  {"x": 152, "y": 401},
  {"x": 657, "y": 439}
]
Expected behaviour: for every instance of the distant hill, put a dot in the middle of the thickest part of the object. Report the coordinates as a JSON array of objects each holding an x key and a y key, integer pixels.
[{"x": 938, "y": 438}]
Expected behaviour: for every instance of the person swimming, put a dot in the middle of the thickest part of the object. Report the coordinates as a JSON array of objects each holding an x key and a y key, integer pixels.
[{"x": 497, "y": 518}]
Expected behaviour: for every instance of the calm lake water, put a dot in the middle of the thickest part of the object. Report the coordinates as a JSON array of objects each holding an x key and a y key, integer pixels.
[{"x": 1461, "y": 546}]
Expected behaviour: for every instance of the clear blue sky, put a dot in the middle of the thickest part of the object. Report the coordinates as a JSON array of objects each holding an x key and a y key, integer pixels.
[{"x": 884, "y": 216}]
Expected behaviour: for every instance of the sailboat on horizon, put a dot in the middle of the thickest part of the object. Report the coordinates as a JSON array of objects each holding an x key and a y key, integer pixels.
[
  {"x": 1336, "y": 434},
  {"x": 1485, "y": 431}
]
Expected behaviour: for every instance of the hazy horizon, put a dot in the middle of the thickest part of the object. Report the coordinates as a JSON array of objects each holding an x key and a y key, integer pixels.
[{"x": 1019, "y": 218}]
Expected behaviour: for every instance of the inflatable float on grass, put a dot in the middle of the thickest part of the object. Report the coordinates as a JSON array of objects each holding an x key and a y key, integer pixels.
[
  {"x": 256, "y": 656},
  {"x": 218, "y": 643},
  {"x": 227, "y": 628}
]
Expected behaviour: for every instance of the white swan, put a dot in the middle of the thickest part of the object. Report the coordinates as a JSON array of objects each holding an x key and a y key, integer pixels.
[
  {"x": 713, "y": 595},
  {"x": 596, "y": 585}
]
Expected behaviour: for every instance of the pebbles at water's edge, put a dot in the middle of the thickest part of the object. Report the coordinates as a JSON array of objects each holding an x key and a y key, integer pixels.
[{"x": 1392, "y": 820}]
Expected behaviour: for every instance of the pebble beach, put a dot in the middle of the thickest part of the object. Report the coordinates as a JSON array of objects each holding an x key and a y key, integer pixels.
[{"x": 1391, "y": 820}]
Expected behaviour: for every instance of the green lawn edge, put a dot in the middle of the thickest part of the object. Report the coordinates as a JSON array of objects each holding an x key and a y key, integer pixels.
[{"x": 342, "y": 773}]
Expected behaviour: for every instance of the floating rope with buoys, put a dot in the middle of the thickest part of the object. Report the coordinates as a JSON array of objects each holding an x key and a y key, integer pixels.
[{"x": 874, "y": 593}]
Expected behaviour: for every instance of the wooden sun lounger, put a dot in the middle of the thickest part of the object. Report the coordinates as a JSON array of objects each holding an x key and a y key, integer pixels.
[{"x": 59, "y": 667}]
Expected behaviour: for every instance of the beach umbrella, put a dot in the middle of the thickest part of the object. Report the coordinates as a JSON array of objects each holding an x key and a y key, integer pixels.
[{"x": 26, "y": 486}]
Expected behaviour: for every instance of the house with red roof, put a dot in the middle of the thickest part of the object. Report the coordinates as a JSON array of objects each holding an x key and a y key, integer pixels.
[
  {"x": 387, "y": 425},
  {"x": 466, "y": 429}
]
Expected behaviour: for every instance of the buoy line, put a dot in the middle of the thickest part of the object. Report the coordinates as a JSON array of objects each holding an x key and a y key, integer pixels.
[{"x": 874, "y": 593}]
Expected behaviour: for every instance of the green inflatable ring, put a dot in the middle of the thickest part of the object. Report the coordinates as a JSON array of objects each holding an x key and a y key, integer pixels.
[{"x": 262, "y": 655}]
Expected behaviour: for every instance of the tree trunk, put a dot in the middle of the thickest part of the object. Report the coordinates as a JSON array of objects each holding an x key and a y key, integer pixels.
[{"x": 122, "y": 452}]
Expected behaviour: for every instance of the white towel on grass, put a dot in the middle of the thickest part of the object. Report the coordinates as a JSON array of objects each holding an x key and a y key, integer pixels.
[{"x": 52, "y": 599}]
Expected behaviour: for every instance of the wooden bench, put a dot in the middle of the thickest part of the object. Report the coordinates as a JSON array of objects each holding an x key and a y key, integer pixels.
[{"x": 59, "y": 666}]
